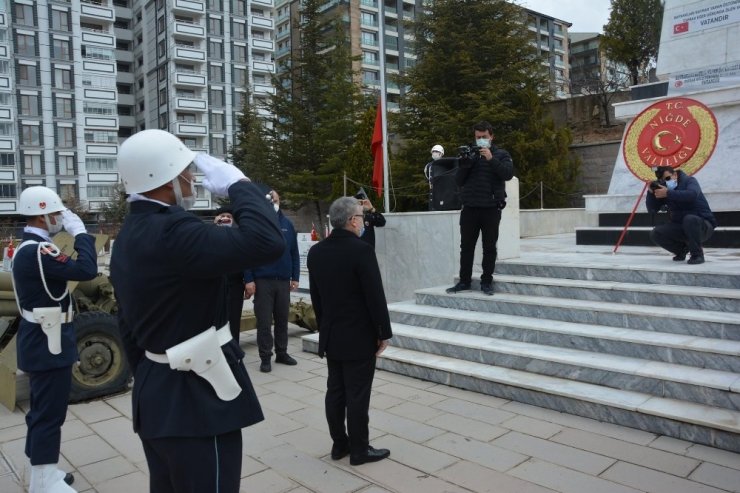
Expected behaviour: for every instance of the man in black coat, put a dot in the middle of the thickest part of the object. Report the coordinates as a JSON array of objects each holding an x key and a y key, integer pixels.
[
  {"x": 354, "y": 328},
  {"x": 192, "y": 394},
  {"x": 691, "y": 220},
  {"x": 482, "y": 180}
]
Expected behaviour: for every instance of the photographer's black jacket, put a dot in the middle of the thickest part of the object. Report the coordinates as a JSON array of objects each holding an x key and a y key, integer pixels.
[
  {"x": 483, "y": 183},
  {"x": 686, "y": 199}
]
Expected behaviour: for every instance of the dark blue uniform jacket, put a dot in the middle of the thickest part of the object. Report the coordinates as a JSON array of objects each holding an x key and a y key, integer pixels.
[
  {"x": 33, "y": 349},
  {"x": 686, "y": 199},
  {"x": 288, "y": 266},
  {"x": 168, "y": 269}
]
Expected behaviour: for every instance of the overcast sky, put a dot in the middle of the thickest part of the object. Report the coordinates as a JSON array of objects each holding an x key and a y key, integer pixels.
[{"x": 585, "y": 15}]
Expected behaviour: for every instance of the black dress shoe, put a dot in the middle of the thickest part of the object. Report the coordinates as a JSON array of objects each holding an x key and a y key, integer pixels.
[
  {"x": 69, "y": 478},
  {"x": 460, "y": 286},
  {"x": 339, "y": 452},
  {"x": 696, "y": 259},
  {"x": 487, "y": 288},
  {"x": 265, "y": 366},
  {"x": 285, "y": 359},
  {"x": 372, "y": 455},
  {"x": 680, "y": 257}
]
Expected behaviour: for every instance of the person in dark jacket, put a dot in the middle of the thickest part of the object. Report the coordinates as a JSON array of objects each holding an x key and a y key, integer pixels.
[
  {"x": 192, "y": 394},
  {"x": 234, "y": 281},
  {"x": 46, "y": 354},
  {"x": 372, "y": 218},
  {"x": 691, "y": 220},
  {"x": 354, "y": 327},
  {"x": 482, "y": 180},
  {"x": 271, "y": 286}
]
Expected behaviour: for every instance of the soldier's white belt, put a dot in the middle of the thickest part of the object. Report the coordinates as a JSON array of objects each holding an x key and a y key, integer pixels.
[
  {"x": 202, "y": 354},
  {"x": 51, "y": 319}
]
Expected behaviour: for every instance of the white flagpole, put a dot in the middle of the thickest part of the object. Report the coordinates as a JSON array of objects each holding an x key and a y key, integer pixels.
[{"x": 383, "y": 106}]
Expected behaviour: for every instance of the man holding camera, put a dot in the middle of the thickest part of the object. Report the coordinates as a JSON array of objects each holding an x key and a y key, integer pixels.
[
  {"x": 691, "y": 220},
  {"x": 482, "y": 175},
  {"x": 371, "y": 218}
]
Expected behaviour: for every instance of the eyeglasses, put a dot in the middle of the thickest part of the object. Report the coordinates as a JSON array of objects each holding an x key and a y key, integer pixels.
[{"x": 358, "y": 215}]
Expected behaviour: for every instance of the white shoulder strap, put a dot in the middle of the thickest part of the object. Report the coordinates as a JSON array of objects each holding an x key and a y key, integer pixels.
[{"x": 49, "y": 249}]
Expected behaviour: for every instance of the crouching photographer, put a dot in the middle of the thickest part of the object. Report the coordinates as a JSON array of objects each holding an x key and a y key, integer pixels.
[
  {"x": 483, "y": 171},
  {"x": 691, "y": 220}
]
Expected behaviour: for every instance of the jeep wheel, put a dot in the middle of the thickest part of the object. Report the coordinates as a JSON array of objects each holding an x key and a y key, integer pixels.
[{"x": 103, "y": 369}]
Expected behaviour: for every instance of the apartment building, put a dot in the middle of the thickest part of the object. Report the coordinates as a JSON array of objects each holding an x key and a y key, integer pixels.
[
  {"x": 590, "y": 70},
  {"x": 550, "y": 37},
  {"x": 89, "y": 73}
]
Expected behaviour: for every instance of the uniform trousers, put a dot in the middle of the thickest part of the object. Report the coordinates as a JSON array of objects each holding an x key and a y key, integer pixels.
[
  {"x": 49, "y": 394},
  {"x": 348, "y": 388},
  {"x": 475, "y": 220},
  {"x": 682, "y": 237},
  {"x": 235, "y": 304},
  {"x": 195, "y": 464},
  {"x": 272, "y": 302}
]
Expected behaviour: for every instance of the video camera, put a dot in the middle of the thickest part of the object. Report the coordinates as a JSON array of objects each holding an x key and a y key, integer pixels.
[
  {"x": 654, "y": 185},
  {"x": 468, "y": 151}
]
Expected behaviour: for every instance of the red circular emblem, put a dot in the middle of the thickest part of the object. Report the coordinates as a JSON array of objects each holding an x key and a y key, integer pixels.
[
  {"x": 42, "y": 205},
  {"x": 677, "y": 132}
]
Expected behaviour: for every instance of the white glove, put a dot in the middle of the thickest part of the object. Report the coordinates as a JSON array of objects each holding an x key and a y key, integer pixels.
[
  {"x": 72, "y": 223},
  {"x": 219, "y": 175}
]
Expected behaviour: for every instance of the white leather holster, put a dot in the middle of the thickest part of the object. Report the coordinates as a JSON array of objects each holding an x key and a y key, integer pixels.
[
  {"x": 50, "y": 319},
  {"x": 202, "y": 354}
]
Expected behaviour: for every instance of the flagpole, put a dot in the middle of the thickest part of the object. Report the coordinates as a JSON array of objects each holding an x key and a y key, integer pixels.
[{"x": 383, "y": 106}]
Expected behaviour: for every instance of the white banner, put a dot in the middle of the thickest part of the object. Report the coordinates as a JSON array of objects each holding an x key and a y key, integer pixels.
[
  {"x": 705, "y": 78},
  {"x": 706, "y": 16}
]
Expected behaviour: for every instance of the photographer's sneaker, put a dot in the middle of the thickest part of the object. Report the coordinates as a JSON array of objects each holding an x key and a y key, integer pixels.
[
  {"x": 696, "y": 259},
  {"x": 487, "y": 288},
  {"x": 460, "y": 286},
  {"x": 680, "y": 257}
]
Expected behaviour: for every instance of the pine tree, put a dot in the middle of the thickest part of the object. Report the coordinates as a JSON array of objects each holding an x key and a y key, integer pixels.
[{"x": 476, "y": 62}]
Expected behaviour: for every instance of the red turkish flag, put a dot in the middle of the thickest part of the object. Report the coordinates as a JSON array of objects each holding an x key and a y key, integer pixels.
[
  {"x": 681, "y": 28},
  {"x": 376, "y": 148}
]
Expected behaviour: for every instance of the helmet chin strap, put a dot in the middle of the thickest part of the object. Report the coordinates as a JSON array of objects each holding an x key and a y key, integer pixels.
[{"x": 184, "y": 202}]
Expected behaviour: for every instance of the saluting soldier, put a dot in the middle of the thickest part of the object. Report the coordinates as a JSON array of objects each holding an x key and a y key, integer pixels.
[
  {"x": 46, "y": 340},
  {"x": 192, "y": 394}
]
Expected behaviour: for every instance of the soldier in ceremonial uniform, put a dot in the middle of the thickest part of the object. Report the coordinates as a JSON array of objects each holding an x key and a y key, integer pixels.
[
  {"x": 46, "y": 340},
  {"x": 192, "y": 394}
]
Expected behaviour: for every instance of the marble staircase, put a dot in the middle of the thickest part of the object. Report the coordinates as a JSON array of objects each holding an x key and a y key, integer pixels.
[{"x": 644, "y": 348}]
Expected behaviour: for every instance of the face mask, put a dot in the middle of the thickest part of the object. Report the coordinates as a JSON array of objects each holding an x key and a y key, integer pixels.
[
  {"x": 276, "y": 207},
  {"x": 53, "y": 228},
  {"x": 362, "y": 231},
  {"x": 436, "y": 155},
  {"x": 483, "y": 142},
  {"x": 184, "y": 202},
  {"x": 671, "y": 185}
]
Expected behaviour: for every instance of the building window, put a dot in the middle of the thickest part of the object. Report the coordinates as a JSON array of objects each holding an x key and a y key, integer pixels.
[
  {"x": 215, "y": 27},
  {"x": 162, "y": 72},
  {"x": 370, "y": 39},
  {"x": 8, "y": 190},
  {"x": 29, "y": 105},
  {"x": 104, "y": 109},
  {"x": 186, "y": 117},
  {"x": 240, "y": 7},
  {"x": 218, "y": 146},
  {"x": 161, "y": 49},
  {"x": 217, "y": 97},
  {"x": 63, "y": 108},
  {"x": 25, "y": 44},
  {"x": 239, "y": 30},
  {"x": 6, "y": 129},
  {"x": 163, "y": 121},
  {"x": 66, "y": 165},
  {"x": 27, "y": 75},
  {"x": 101, "y": 137},
  {"x": 217, "y": 122},
  {"x": 100, "y": 164},
  {"x": 24, "y": 15},
  {"x": 163, "y": 96},
  {"x": 216, "y": 50},
  {"x": 368, "y": 19},
  {"x": 7, "y": 160},
  {"x": 61, "y": 49},
  {"x": 60, "y": 20},
  {"x": 216, "y": 73},
  {"x": 160, "y": 24},
  {"x": 240, "y": 54},
  {"x": 62, "y": 78},
  {"x": 31, "y": 164},
  {"x": 67, "y": 191},
  {"x": 239, "y": 98},
  {"x": 30, "y": 135},
  {"x": 101, "y": 191},
  {"x": 65, "y": 137},
  {"x": 215, "y": 5},
  {"x": 240, "y": 77}
]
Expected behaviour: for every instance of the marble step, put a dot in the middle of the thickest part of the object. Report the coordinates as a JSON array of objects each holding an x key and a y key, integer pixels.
[
  {"x": 700, "y": 323},
  {"x": 676, "y": 275},
  {"x": 699, "y": 298},
  {"x": 711, "y": 387},
  {"x": 701, "y": 352},
  {"x": 697, "y": 423}
]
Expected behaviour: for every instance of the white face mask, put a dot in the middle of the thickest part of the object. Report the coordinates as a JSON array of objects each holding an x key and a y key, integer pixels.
[
  {"x": 276, "y": 207},
  {"x": 53, "y": 228},
  {"x": 436, "y": 155},
  {"x": 185, "y": 202},
  {"x": 483, "y": 142}
]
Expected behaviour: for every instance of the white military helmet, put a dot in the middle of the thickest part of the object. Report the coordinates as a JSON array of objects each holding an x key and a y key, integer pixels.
[
  {"x": 38, "y": 201},
  {"x": 438, "y": 148},
  {"x": 151, "y": 158}
]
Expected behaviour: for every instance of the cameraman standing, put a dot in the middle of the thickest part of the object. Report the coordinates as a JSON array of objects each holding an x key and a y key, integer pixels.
[
  {"x": 482, "y": 180},
  {"x": 691, "y": 220}
]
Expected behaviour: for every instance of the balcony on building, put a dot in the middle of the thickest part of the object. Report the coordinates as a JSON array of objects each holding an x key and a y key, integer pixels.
[
  {"x": 189, "y": 6},
  {"x": 188, "y": 103},
  {"x": 188, "y": 29},
  {"x": 189, "y": 53},
  {"x": 96, "y": 10},
  {"x": 194, "y": 129},
  {"x": 259, "y": 66},
  {"x": 263, "y": 89},
  {"x": 266, "y": 3},
  {"x": 96, "y": 34},
  {"x": 262, "y": 44},
  {"x": 259, "y": 21}
]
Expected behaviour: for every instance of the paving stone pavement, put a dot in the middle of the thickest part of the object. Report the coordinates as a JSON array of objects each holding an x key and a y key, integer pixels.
[{"x": 442, "y": 439}]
